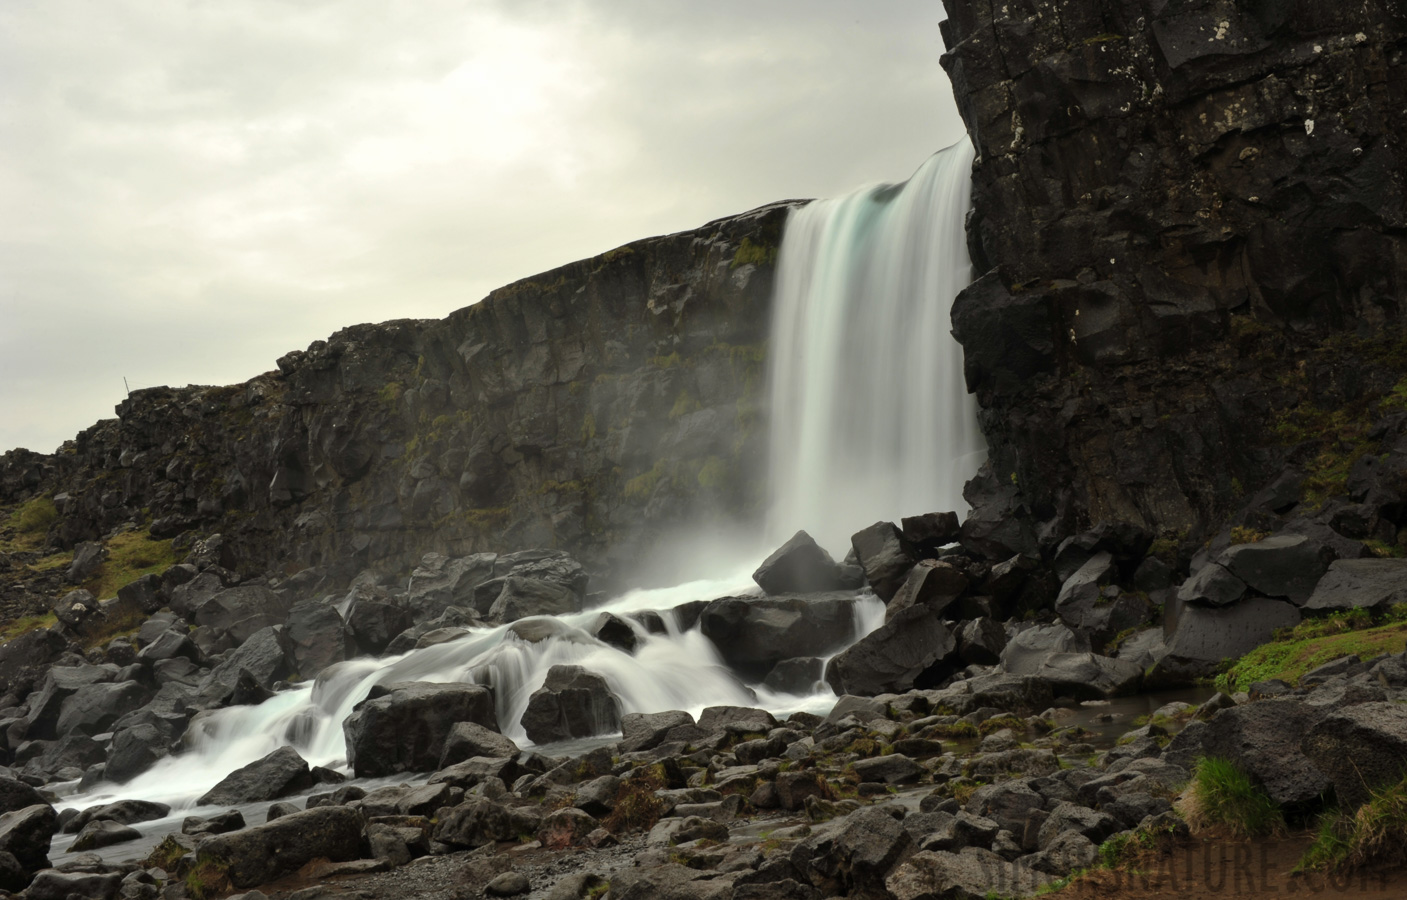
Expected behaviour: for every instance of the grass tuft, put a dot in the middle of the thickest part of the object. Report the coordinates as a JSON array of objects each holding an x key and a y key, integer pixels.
[
  {"x": 1314, "y": 642},
  {"x": 1374, "y": 835},
  {"x": 1223, "y": 795}
]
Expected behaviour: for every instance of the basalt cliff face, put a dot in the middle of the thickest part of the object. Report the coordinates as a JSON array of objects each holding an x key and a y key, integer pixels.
[
  {"x": 1192, "y": 221},
  {"x": 590, "y": 409}
]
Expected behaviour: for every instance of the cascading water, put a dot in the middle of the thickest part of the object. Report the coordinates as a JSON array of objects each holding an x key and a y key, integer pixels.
[{"x": 870, "y": 421}]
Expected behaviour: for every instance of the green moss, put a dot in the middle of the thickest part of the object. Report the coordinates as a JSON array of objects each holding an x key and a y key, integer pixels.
[
  {"x": 1313, "y": 643},
  {"x": 390, "y": 393},
  {"x": 684, "y": 404},
  {"x": 131, "y": 555},
  {"x": 753, "y": 254},
  {"x": 208, "y": 878},
  {"x": 1223, "y": 795},
  {"x": 588, "y": 428},
  {"x": 714, "y": 473},
  {"x": 1245, "y": 535},
  {"x": 486, "y": 519},
  {"x": 642, "y": 487},
  {"x": 672, "y": 361}
]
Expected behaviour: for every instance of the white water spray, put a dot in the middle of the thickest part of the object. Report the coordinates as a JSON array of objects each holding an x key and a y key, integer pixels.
[{"x": 871, "y": 419}]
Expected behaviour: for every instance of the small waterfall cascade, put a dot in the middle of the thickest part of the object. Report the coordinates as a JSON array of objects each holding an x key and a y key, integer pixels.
[{"x": 871, "y": 419}]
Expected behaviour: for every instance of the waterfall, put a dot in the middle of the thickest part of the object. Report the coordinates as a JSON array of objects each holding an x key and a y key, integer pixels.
[{"x": 871, "y": 419}]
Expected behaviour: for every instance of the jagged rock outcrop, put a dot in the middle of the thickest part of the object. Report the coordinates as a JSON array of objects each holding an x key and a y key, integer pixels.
[
  {"x": 1188, "y": 221},
  {"x": 587, "y": 408}
]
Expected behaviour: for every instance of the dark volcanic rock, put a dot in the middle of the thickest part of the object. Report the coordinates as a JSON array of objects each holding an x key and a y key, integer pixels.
[
  {"x": 571, "y": 703},
  {"x": 26, "y": 833},
  {"x": 1361, "y": 748},
  {"x": 1287, "y": 565},
  {"x": 260, "y": 854},
  {"x": 404, "y": 728},
  {"x": 885, "y": 556},
  {"x": 799, "y": 566},
  {"x": 753, "y": 634},
  {"x": 930, "y": 582},
  {"x": 317, "y": 637},
  {"x": 904, "y": 653},
  {"x": 1199, "y": 638},
  {"x": 1361, "y": 583},
  {"x": 1263, "y": 740},
  {"x": 279, "y": 774}
]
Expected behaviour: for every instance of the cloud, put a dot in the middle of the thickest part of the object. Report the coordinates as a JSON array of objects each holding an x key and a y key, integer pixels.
[{"x": 192, "y": 189}]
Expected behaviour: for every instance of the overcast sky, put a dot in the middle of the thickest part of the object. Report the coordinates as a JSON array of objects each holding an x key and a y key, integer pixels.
[{"x": 191, "y": 188}]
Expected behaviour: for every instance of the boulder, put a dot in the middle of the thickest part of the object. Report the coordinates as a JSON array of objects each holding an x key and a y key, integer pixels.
[
  {"x": 88, "y": 558},
  {"x": 736, "y": 720},
  {"x": 375, "y": 623},
  {"x": 25, "y": 659},
  {"x": 795, "y": 676},
  {"x": 1089, "y": 676},
  {"x": 571, "y": 703},
  {"x": 101, "y": 833},
  {"x": 523, "y": 597},
  {"x": 144, "y": 593},
  {"x": 754, "y": 634},
  {"x": 1263, "y": 739},
  {"x": 229, "y": 820},
  {"x": 317, "y": 637},
  {"x": 800, "y": 566},
  {"x": 16, "y": 795},
  {"x": 123, "y": 812},
  {"x": 262, "y": 853},
  {"x": 475, "y": 823},
  {"x": 1360, "y": 748},
  {"x": 265, "y": 656},
  {"x": 645, "y": 731},
  {"x": 171, "y": 644},
  {"x": 93, "y": 709},
  {"x": 909, "y": 651},
  {"x": 1283, "y": 565},
  {"x": 440, "y": 582},
  {"x": 564, "y": 828},
  {"x": 52, "y": 884},
  {"x": 279, "y": 774},
  {"x": 613, "y": 630},
  {"x": 1359, "y": 584},
  {"x": 931, "y": 531},
  {"x": 885, "y": 556},
  {"x": 981, "y": 641},
  {"x": 870, "y": 842},
  {"x": 1201, "y": 637},
  {"x": 60, "y": 683},
  {"x": 1213, "y": 585},
  {"x": 1027, "y": 651},
  {"x": 239, "y": 612},
  {"x": 26, "y": 833},
  {"x": 403, "y": 726},
  {"x": 930, "y": 582},
  {"x": 467, "y": 740},
  {"x": 134, "y": 750}
]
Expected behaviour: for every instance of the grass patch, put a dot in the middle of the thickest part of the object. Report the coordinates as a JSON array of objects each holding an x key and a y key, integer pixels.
[
  {"x": 1374, "y": 835},
  {"x": 1314, "y": 642},
  {"x": 29, "y": 523},
  {"x": 207, "y": 878},
  {"x": 26, "y": 624},
  {"x": 1222, "y": 795},
  {"x": 131, "y": 555}
]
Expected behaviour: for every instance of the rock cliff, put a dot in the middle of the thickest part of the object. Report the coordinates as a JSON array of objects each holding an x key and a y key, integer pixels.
[
  {"x": 1191, "y": 219},
  {"x": 589, "y": 408}
]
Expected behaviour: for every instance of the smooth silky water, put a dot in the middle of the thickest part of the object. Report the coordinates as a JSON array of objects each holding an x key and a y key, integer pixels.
[{"x": 871, "y": 420}]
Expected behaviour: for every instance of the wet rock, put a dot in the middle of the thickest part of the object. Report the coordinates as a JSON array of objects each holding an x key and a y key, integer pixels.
[
  {"x": 25, "y": 659},
  {"x": 509, "y": 884},
  {"x": 795, "y": 676},
  {"x": 800, "y": 566},
  {"x": 754, "y": 634},
  {"x": 736, "y": 720},
  {"x": 1088, "y": 676},
  {"x": 404, "y": 728},
  {"x": 440, "y": 582},
  {"x": 981, "y": 641},
  {"x": 613, "y": 630},
  {"x": 55, "y": 885},
  {"x": 645, "y": 731},
  {"x": 16, "y": 795},
  {"x": 103, "y": 833},
  {"x": 123, "y": 812},
  {"x": 93, "y": 709},
  {"x": 317, "y": 637},
  {"x": 375, "y": 623},
  {"x": 279, "y": 774},
  {"x": 88, "y": 558},
  {"x": 1027, "y": 651},
  {"x": 240, "y": 612},
  {"x": 476, "y": 823},
  {"x": 867, "y": 847},
  {"x": 565, "y": 828},
  {"x": 1361, "y": 748},
  {"x": 227, "y": 821},
  {"x": 265, "y": 656},
  {"x": 467, "y": 740},
  {"x": 1360, "y": 583},
  {"x": 892, "y": 769},
  {"x": 885, "y": 556},
  {"x": 931, "y": 531},
  {"x": 524, "y": 597},
  {"x": 572, "y": 702},
  {"x": 262, "y": 853},
  {"x": 908, "y": 651}
]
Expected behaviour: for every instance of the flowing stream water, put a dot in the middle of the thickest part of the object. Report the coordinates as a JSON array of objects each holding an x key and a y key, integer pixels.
[{"x": 871, "y": 420}]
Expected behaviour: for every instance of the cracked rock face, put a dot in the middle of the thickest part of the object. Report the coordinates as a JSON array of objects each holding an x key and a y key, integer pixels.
[{"x": 1174, "y": 206}]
